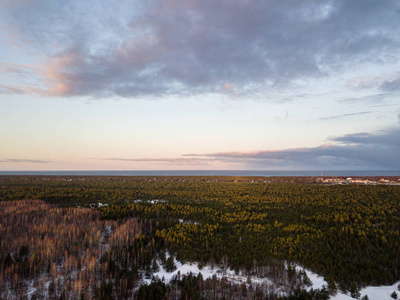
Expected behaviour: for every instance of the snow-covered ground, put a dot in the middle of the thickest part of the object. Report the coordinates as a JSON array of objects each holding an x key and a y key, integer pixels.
[
  {"x": 317, "y": 282},
  {"x": 184, "y": 269},
  {"x": 206, "y": 272},
  {"x": 374, "y": 293}
]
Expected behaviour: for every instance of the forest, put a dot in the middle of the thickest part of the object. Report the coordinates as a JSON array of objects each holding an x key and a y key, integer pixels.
[{"x": 80, "y": 237}]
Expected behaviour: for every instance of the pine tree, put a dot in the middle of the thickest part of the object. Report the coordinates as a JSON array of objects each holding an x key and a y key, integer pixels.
[
  {"x": 170, "y": 264},
  {"x": 154, "y": 266}
]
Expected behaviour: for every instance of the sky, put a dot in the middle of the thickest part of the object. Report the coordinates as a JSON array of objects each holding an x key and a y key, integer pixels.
[{"x": 199, "y": 85}]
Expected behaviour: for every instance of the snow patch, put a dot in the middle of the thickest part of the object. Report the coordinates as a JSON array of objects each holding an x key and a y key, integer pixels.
[
  {"x": 183, "y": 269},
  {"x": 31, "y": 289},
  {"x": 154, "y": 201},
  {"x": 99, "y": 204},
  {"x": 182, "y": 221},
  {"x": 206, "y": 272},
  {"x": 374, "y": 293},
  {"x": 317, "y": 281}
]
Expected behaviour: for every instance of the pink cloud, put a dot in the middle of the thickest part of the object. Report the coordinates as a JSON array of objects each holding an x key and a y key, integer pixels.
[
  {"x": 55, "y": 72},
  {"x": 228, "y": 86},
  {"x": 55, "y": 77}
]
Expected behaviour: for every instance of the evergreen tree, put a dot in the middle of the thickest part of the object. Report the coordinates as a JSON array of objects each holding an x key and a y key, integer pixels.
[
  {"x": 154, "y": 266},
  {"x": 170, "y": 264}
]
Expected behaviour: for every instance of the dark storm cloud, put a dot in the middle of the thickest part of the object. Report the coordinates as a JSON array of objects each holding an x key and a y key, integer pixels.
[
  {"x": 361, "y": 150},
  {"x": 193, "y": 47}
]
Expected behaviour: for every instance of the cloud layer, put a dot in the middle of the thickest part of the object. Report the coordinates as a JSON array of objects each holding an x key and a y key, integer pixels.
[
  {"x": 366, "y": 151},
  {"x": 161, "y": 47},
  {"x": 35, "y": 161},
  {"x": 182, "y": 161},
  {"x": 363, "y": 151}
]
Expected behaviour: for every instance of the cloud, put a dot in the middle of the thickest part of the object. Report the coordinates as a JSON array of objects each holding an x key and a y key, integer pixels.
[
  {"x": 345, "y": 115},
  {"x": 391, "y": 85},
  {"x": 378, "y": 150},
  {"x": 171, "y": 161},
  {"x": 160, "y": 47},
  {"x": 364, "y": 151},
  {"x": 35, "y": 161},
  {"x": 383, "y": 138},
  {"x": 13, "y": 68},
  {"x": 373, "y": 98}
]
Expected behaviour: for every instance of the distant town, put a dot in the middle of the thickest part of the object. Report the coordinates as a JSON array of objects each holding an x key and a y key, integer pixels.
[{"x": 362, "y": 180}]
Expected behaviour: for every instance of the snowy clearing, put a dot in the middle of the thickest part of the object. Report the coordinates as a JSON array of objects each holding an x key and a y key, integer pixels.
[
  {"x": 374, "y": 293},
  {"x": 206, "y": 272}
]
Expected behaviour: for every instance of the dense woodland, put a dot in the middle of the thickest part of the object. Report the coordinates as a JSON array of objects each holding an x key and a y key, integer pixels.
[{"x": 69, "y": 247}]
